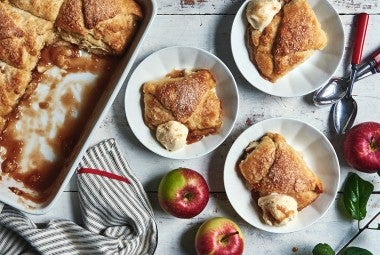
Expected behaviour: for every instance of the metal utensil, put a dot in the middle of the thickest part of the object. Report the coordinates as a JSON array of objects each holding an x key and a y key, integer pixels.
[
  {"x": 345, "y": 110},
  {"x": 336, "y": 88}
]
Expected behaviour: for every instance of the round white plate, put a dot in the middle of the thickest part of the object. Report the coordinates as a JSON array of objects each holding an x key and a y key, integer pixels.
[
  {"x": 156, "y": 66},
  {"x": 319, "y": 155},
  {"x": 308, "y": 76}
]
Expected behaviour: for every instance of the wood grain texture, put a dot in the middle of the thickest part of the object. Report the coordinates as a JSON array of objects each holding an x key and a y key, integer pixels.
[
  {"x": 176, "y": 236},
  {"x": 217, "y": 7}
]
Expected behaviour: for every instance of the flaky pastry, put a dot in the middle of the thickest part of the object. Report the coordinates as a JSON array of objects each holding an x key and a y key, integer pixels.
[
  {"x": 41, "y": 8},
  {"x": 99, "y": 26},
  {"x": 187, "y": 97},
  {"x": 271, "y": 165},
  {"x": 293, "y": 35},
  {"x": 22, "y": 36}
]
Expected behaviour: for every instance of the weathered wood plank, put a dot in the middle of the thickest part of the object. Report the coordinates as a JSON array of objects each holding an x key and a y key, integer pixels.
[
  {"x": 176, "y": 236},
  {"x": 230, "y": 7}
]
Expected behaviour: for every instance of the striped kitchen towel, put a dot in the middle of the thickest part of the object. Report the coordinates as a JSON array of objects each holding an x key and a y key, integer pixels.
[{"x": 117, "y": 216}]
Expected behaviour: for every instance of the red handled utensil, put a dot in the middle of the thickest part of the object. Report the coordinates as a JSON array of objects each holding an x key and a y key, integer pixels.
[{"x": 345, "y": 110}]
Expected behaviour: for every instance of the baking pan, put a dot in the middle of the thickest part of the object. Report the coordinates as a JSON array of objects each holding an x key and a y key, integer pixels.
[{"x": 100, "y": 109}]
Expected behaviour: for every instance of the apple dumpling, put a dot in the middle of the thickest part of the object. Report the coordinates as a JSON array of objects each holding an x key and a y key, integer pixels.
[
  {"x": 271, "y": 166},
  {"x": 281, "y": 35},
  {"x": 185, "y": 96}
]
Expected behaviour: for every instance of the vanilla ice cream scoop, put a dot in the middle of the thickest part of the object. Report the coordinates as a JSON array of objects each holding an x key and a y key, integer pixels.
[
  {"x": 172, "y": 135},
  {"x": 261, "y": 12},
  {"x": 278, "y": 209}
]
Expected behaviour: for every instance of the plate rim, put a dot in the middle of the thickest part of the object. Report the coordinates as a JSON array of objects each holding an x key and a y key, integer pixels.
[
  {"x": 274, "y": 93},
  {"x": 335, "y": 185},
  {"x": 233, "y": 84}
]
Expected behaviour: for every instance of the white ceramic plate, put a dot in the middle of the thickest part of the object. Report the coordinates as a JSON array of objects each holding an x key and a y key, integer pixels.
[
  {"x": 156, "y": 66},
  {"x": 308, "y": 76},
  {"x": 318, "y": 154}
]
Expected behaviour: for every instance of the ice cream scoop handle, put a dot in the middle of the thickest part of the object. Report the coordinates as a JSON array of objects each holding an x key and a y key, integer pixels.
[
  {"x": 361, "y": 30},
  {"x": 376, "y": 58}
]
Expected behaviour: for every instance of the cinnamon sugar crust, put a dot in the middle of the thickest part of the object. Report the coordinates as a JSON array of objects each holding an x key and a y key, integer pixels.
[
  {"x": 188, "y": 98},
  {"x": 22, "y": 36},
  {"x": 47, "y": 10},
  {"x": 13, "y": 82},
  {"x": 273, "y": 166},
  {"x": 292, "y": 37},
  {"x": 101, "y": 27}
]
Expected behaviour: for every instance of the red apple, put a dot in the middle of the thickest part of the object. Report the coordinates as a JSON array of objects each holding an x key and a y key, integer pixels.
[
  {"x": 219, "y": 236},
  {"x": 183, "y": 193},
  {"x": 361, "y": 147}
]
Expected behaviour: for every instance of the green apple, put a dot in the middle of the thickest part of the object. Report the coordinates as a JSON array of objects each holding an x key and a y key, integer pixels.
[{"x": 183, "y": 193}]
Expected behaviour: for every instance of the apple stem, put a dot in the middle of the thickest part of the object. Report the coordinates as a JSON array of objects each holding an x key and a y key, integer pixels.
[
  {"x": 188, "y": 196},
  {"x": 373, "y": 144},
  {"x": 225, "y": 238}
]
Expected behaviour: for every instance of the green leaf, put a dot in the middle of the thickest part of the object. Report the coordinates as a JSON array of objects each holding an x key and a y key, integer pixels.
[
  {"x": 323, "y": 249},
  {"x": 356, "y": 251},
  {"x": 356, "y": 193}
]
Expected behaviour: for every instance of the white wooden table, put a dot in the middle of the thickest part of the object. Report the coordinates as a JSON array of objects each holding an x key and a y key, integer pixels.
[{"x": 207, "y": 24}]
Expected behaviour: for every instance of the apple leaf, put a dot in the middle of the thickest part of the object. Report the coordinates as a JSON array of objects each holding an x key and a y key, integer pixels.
[
  {"x": 357, "y": 251},
  {"x": 356, "y": 193},
  {"x": 323, "y": 249}
]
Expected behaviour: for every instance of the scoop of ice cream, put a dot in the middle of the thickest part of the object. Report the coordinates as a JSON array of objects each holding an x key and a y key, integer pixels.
[
  {"x": 172, "y": 135},
  {"x": 278, "y": 209},
  {"x": 261, "y": 12}
]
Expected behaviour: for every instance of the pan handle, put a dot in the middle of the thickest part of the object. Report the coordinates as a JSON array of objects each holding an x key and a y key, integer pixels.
[{"x": 361, "y": 30}]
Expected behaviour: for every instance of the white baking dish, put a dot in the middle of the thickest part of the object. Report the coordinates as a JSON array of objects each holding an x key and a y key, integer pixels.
[{"x": 100, "y": 109}]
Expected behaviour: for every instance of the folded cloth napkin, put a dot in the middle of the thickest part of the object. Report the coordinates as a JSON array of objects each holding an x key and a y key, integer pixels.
[{"x": 117, "y": 216}]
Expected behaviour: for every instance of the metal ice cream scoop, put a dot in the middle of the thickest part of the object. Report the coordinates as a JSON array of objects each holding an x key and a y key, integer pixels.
[
  {"x": 336, "y": 88},
  {"x": 345, "y": 110}
]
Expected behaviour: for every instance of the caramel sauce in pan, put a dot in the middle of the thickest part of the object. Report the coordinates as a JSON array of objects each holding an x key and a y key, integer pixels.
[
  {"x": 39, "y": 171},
  {"x": 73, "y": 60}
]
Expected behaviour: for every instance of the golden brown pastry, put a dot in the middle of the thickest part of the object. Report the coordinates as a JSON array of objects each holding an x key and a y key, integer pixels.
[
  {"x": 41, "y": 8},
  {"x": 185, "y": 96},
  {"x": 293, "y": 36},
  {"x": 271, "y": 166},
  {"x": 13, "y": 83},
  {"x": 27, "y": 26},
  {"x": 22, "y": 36},
  {"x": 99, "y": 26}
]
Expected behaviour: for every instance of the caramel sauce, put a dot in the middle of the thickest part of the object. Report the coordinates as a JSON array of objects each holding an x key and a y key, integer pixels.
[
  {"x": 71, "y": 59},
  {"x": 21, "y": 193},
  {"x": 43, "y": 171},
  {"x": 197, "y": 135},
  {"x": 191, "y": 138},
  {"x": 44, "y": 105}
]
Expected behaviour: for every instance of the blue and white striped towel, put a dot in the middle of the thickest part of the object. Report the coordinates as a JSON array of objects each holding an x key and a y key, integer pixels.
[{"x": 117, "y": 216}]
